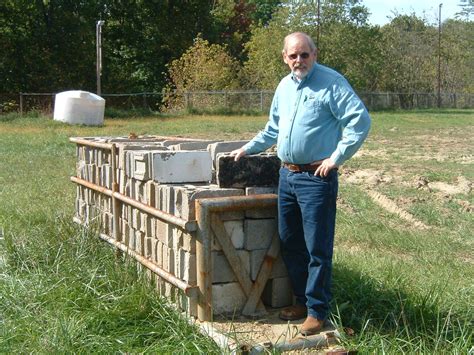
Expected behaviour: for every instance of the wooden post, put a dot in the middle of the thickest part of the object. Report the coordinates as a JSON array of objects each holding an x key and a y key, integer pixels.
[{"x": 21, "y": 104}]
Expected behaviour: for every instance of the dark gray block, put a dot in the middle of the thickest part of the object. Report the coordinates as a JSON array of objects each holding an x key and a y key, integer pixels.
[{"x": 251, "y": 170}]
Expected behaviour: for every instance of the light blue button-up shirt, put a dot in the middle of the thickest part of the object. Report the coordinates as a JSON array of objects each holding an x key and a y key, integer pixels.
[{"x": 313, "y": 119}]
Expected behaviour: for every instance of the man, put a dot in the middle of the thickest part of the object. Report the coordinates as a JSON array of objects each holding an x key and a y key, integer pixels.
[{"x": 317, "y": 122}]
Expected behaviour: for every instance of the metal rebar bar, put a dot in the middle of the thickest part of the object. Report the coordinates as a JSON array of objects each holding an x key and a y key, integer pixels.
[
  {"x": 189, "y": 226},
  {"x": 189, "y": 290}
]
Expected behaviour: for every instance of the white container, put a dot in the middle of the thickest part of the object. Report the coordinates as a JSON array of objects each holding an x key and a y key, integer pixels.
[{"x": 79, "y": 107}]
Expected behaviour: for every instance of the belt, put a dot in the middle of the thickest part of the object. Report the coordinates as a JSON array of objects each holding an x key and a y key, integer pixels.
[{"x": 300, "y": 168}]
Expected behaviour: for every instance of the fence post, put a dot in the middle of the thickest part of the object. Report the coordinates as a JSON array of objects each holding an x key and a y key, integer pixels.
[{"x": 21, "y": 104}]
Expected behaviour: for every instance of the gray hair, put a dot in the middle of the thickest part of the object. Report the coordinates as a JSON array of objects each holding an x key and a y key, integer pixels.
[{"x": 308, "y": 39}]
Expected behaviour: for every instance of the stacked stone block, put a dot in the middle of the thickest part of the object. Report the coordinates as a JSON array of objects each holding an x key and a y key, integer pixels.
[{"x": 170, "y": 175}]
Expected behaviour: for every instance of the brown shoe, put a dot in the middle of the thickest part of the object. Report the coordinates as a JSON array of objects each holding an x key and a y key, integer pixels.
[
  {"x": 295, "y": 312},
  {"x": 311, "y": 326}
]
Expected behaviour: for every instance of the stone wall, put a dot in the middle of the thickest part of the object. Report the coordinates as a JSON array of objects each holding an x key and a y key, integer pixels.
[{"x": 170, "y": 175}]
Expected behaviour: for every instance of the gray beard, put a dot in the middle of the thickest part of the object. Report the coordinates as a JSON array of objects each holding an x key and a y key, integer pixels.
[{"x": 301, "y": 74}]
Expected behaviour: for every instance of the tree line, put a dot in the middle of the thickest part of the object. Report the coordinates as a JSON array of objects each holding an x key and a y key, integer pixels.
[{"x": 190, "y": 45}]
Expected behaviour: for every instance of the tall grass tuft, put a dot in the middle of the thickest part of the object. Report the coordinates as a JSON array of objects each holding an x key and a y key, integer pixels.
[{"x": 63, "y": 290}]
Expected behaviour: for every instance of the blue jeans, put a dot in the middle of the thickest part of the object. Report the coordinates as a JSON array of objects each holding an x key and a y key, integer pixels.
[{"x": 307, "y": 218}]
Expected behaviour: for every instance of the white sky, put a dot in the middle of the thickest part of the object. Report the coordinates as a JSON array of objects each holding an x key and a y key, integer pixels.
[{"x": 422, "y": 8}]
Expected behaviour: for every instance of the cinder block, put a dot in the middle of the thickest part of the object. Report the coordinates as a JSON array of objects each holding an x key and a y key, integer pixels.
[
  {"x": 164, "y": 232},
  {"x": 185, "y": 197},
  {"x": 278, "y": 293},
  {"x": 140, "y": 242},
  {"x": 140, "y": 165},
  {"x": 148, "y": 248},
  {"x": 201, "y": 145},
  {"x": 227, "y": 298},
  {"x": 224, "y": 147},
  {"x": 168, "y": 259},
  {"x": 127, "y": 146},
  {"x": 183, "y": 166},
  {"x": 187, "y": 304},
  {"x": 261, "y": 190},
  {"x": 259, "y": 233},
  {"x": 256, "y": 260},
  {"x": 235, "y": 229},
  {"x": 159, "y": 254},
  {"x": 250, "y": 170},
  {"x": 186, "y": 266},
  {"x": 154, "y": 243},
  {"x": 150, "y": 187},
  {"x": 221, "y": 270},
  {"x": 169, "y": 142}
]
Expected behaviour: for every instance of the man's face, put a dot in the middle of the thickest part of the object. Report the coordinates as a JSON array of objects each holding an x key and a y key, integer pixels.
[{"x": 299, "y": 56}]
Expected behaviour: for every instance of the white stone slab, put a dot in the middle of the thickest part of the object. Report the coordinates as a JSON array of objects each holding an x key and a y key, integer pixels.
[{"x": 181, "y": 166}]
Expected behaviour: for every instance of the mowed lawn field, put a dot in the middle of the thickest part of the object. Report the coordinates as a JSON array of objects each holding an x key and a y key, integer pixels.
[{"x": 404, "y": 249}]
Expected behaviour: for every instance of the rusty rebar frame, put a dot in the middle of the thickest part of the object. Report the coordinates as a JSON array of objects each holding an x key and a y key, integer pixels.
[
  {"x": 117, "y": 198},
  {"x": 204, "y": 209}
]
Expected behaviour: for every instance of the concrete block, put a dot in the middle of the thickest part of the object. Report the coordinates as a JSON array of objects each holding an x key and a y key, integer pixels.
[
  {"x": 277, "y": 293},
  {"x": 183, "y": 166},
  {"x": 224, "y": 147},
  {"x": 256, "y": 260},
  {"x": 186, "y": 266},
  {"x": 125, "y": 147},
  {"x": 221, "y": 270},
  {"x": 159, "y": 254},
  {"x": 150, "y": 187},
  {"x": 200, "y": 145},
  {"x": 185, "y": 197},
  {"x": 251, "y": 170},
  {"x": 132, "y": 240},
  {"x": 261, "y": 190},
  {"x": 140, "y": 165},
  {"x": 227, "y": 298},
  {"x": 235, "y": 229},
  {"x": 259, "y": 233},
  {"x": 168, "y": 259},
  {"x": 164, "y": 232},
  {"x": 154, "y": 243},
  {"x": 140, "y": 242},
  {"x": 148, "y": 248},
  {"x": 169, "y": 142},
  {"x": 260, "y": 212}
]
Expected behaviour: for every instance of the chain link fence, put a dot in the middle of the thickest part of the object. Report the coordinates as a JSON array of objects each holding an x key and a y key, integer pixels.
[{"x": 228, "y": 101}]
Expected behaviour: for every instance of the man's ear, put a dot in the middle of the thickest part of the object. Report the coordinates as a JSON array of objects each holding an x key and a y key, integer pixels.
[{"x": 284, "y": 57}]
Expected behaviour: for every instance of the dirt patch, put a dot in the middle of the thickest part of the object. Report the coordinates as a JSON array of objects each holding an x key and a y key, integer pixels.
[
  {"x": 392, "y": 207},
  {"x": 268, "y": 331},
  {"x": 463, "y": 186},
  {"x": 365, "y": 177}
]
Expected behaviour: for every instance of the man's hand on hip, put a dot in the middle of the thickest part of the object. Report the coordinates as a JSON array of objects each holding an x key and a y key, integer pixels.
[
  {"x": 238, "y": 153},
  {"x": 326, "y": 166}
]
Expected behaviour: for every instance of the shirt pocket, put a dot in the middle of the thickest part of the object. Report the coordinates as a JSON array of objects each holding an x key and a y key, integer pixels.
[{"x": 310, "y": 111}]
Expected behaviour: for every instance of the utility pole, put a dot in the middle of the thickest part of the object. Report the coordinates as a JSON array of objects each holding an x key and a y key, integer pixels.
[
  {"x": 439, "y": 56},
  {"x": 98, "y": 33},
  {"x": 319, "y": 24}
]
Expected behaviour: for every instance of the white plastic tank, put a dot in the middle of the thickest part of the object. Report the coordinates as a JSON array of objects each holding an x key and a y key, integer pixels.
[{"x": 79, "y": 107}]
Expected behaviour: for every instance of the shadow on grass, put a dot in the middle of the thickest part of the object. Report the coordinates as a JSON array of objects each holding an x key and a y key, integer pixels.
[{"x": 416, "y": 322}]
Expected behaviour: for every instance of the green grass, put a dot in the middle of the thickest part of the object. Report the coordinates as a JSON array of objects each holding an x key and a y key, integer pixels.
[{"x": 401, "y": 288}]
